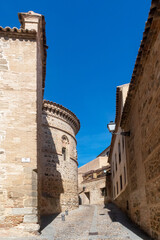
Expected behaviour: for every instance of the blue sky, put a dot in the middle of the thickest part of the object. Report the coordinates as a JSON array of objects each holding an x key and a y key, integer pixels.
[{"x": 93, "y": 46}]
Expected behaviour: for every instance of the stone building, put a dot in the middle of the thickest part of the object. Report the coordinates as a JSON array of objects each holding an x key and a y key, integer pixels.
[
  {"x": 141, "y": 116},
  {"x": 22, "y": 79},
  {"x": 38, "y": 159},
  {"x": 92, "y": 180},
  {"x": 117, "y": 156},
  {"x": 59, "y": 172}
]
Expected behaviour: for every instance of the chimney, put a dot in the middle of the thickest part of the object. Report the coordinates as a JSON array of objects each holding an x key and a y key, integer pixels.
[{"x": 29, "y": 20}]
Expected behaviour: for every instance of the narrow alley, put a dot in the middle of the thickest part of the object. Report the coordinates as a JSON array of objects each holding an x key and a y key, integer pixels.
[{"x": 93, "y": 222}]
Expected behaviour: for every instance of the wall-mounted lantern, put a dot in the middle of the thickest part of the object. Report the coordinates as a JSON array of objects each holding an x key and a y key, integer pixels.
[{"x": 112, "y": 126}]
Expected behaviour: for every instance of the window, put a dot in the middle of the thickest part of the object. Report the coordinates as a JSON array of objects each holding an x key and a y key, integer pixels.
[
  {"x": 119, "y": 152},
  {"x": 116, "y": 161},
  {"x": 65, "y": 139},
  {"x": 121, "y": 185},
  {"x": 117, "y": 187},
  {"x": 114, "y": 191},
  {"x": 124, "y": 175},
  {"x": 65, "y": 143},
  {"x": 64, "y": 153},
  {"x": 123, "y": 142},
  {"x": 103, "y": 192}
]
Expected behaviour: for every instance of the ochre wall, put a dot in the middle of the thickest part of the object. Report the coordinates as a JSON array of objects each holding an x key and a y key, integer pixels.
[
  {"x": 18, "y": 133},
  {"x": 95, "y": 164},
  {"x": 143, "y": 146},
  {"x": 21, "y": 74},
  {"x": 58, "y": 176}
]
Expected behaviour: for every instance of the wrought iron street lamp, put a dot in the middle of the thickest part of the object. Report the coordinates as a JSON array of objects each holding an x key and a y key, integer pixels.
[{"x": 112, "y": 126}]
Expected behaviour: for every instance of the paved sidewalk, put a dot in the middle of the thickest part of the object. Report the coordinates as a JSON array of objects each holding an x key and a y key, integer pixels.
[{"x": 89, "y": 222}]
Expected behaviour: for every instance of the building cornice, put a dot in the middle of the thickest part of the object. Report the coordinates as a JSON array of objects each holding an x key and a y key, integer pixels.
[
  {"x": 18, "y": 33},
  {"x": 149, "y": 37},
  {"x": 63, "y": 113}
]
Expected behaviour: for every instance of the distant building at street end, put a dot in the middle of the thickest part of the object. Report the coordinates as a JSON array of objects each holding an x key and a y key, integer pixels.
[
  {"x": 92, "y": 180},
  {"x": 141, "y": 116}
]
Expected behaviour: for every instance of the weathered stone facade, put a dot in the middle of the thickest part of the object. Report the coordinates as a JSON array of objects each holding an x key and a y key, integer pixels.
[
  {"x": 117, "y": 157},
  {"x": 141, "y": 116},
  {"x": 59, "y": 177},
  {"x": 38, "y": 157},
  {"x": 92, "y": 180},
  {"x": 22, "y": 75}
]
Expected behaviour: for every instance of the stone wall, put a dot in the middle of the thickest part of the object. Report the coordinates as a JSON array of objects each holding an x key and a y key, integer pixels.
[
  {"x": 142, "y": 117},
  {"x": 92, "y": 185},
  {"x": 93, "y": 191},
  {"x": 59, "y": 173},
  {"x": 122, "y": 201},
  {"x": 95, "y": 164},
  {"x": 21, "y": 89}
]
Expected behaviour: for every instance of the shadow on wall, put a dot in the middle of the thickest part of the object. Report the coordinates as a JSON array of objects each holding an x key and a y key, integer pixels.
[
  {"x": 116, "y": 215},
  {"x": 51, "y": 180}
]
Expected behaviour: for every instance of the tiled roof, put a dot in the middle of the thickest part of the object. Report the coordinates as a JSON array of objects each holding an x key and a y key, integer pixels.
[
  {"x": 62, "y": 112},
  {"x": 14, "y": 31},
  {"x": 97, "y": 170},
  {"x": 117, "y": 118}
]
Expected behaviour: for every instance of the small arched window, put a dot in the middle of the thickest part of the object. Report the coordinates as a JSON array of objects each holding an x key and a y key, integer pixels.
[
  {"x": 65, "y": 147},
  {"x": 65, "y": 139}
]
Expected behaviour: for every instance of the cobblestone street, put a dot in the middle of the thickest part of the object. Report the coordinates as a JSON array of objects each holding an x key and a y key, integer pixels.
[
  {"x": 88, "y": 222},
  {"x": 94, "y": 222}
]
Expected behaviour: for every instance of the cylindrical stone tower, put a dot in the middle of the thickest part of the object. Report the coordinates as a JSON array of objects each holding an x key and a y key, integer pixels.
[{"x": 59, "y": 173}]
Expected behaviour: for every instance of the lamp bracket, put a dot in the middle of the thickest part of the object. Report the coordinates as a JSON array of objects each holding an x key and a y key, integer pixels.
[{"x": 122, "y": 133}]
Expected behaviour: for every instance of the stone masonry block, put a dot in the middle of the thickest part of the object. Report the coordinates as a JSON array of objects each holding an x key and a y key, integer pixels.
[
  {"x": 31, "y": 202},
  {"x": 26, "y": 210},
  {"x": 30, "y": 219},
  {"x": 3, "y": 61},
  {"x": 3, "y": 67}
]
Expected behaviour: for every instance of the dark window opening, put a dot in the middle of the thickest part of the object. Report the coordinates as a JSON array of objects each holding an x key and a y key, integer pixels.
[
  {"x": 103, "y": 192},
  {"x": 121, "y": 185},
  {"x": 117, "y": 187},
  {"x": 123, "y": 142},
  {"x": 64, "y": 153},
  {"x": 124, "y": 175},
  {"x": 88, "y": 195},
  {"x": 119, "y": 152}
]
